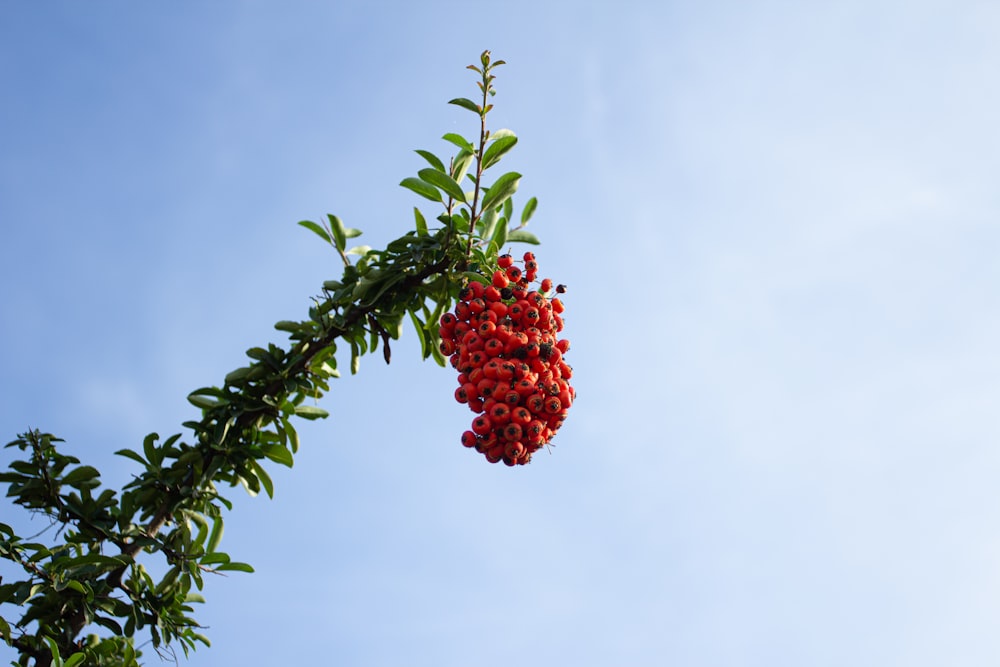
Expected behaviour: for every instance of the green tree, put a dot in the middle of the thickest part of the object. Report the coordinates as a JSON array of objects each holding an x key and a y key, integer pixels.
[{"x": 86, "y": 595}]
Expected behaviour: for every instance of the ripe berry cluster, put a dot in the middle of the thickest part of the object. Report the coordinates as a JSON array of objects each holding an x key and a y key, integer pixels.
[{"x": 502, "y": 340}]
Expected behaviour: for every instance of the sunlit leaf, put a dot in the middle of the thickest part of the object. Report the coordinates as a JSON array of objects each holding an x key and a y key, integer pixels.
[
  {"x": 338, "y": 230},
  {"x": 444, "y": 182},
  {"x": 432, "y": 159},
  {"x": 460, "y": 165},
  {"x": 497, "y": 149},
  {"x": 311, "y": 412},
  {"x": 504, "y": 187},
  {"x": 421, "y": 223},
  {"x": 459, "y": 141},
  {"x": 521, "y": 236},
  {"x": 421, "y": 188},
  {"x": 466, "y": 104},
  {"x": 279, "y": 454},
  {"x": 239, "y": 567},
  {"x": 529, "y": 210},
  {"x": 499, "y": 237},
  {"x": 317, "y": 229},
  {"x": 263, "y": 478}
]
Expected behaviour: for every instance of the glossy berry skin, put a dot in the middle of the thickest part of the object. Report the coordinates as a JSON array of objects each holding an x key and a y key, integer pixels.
[{"x": 503, "y": 339}]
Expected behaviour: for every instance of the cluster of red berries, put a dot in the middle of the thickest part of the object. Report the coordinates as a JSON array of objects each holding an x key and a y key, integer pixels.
[{"x": 502, "y": 340}]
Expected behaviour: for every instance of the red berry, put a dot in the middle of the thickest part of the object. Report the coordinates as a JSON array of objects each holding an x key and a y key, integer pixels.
[{"x": 482, "y": 425}]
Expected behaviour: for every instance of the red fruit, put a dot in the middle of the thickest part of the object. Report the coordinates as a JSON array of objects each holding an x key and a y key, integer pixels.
[
  {"x": 499, "y": 308},
  {"x": 533, "y": 433},
  {"x": 493, "y": 347},
  {"x": 520, "y": 415},
  {"x": 490, "y": 369},
  {"x": 512, "y": 432},
  {"x": 494, "y": 453},
  {"x": 513, "y": 450},
  {"x": 503, "y": 339},
  {"x": 505, "y": 372},
  {"x": 482, "y": 425},
  {"x": 500, "y": 414},
  {"x": 485, "y": 387}
]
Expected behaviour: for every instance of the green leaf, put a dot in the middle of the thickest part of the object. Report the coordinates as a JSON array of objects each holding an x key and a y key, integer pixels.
[
  {"x": 521, "y": 236},
  {"x": 467, "y": 104},
  {"x": 129, "y": 454},
  {"x": 500, "y": 134},
  {"x": 355, "y": 358},
  {"x": 215, "y": 537},
  {"x": 318, "y": 230},
  {"x": 203, "y": 402},
  {"x": 76, "y": 586},
  {"x": 529, "y": 210},
  {"x": 502, "y": 189},
  {"x": 500, "y": 235},
  {"x": 278, "y": 454},
  {"x": 75, "y": 659},
  {"x": 420, "y": 222},
  {"x": 264, "y": 478},
  {"x": 432, "y": 159},
  {"x": 214, "y": 558},
  {"x": 497, "y": 149},
  {"x": 459, "y": 141},
  {"x": 360, "y": 250},
  {"x": 488, "y": 223},
  {"x": 239, "y": 567},
  {"x": 283, "y": 325},
  {"x": 311, "y": 411},
  {"x": 460, "y": 165},
  {"x": 444, "y": 182},
  {"x": 54, "y": 650},
  {"x": 80, "y": 475},
  {"x": 149, "y": 448},
  {"x": 339, "y": 232},
  {"x": 421, "y": 188},
  {"x": 234, "y": 376},
  {"x": 421, "y": 334}
]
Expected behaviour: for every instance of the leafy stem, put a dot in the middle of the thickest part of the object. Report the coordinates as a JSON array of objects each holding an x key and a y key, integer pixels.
[{"x": 487, "y": 90}]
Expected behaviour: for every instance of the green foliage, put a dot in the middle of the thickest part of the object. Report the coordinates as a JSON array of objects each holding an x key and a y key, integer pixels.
[{"x": 91, "y": 574}]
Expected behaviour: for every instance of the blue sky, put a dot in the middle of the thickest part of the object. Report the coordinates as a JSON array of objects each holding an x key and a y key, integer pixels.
[{"x": 779, "y": 224}]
